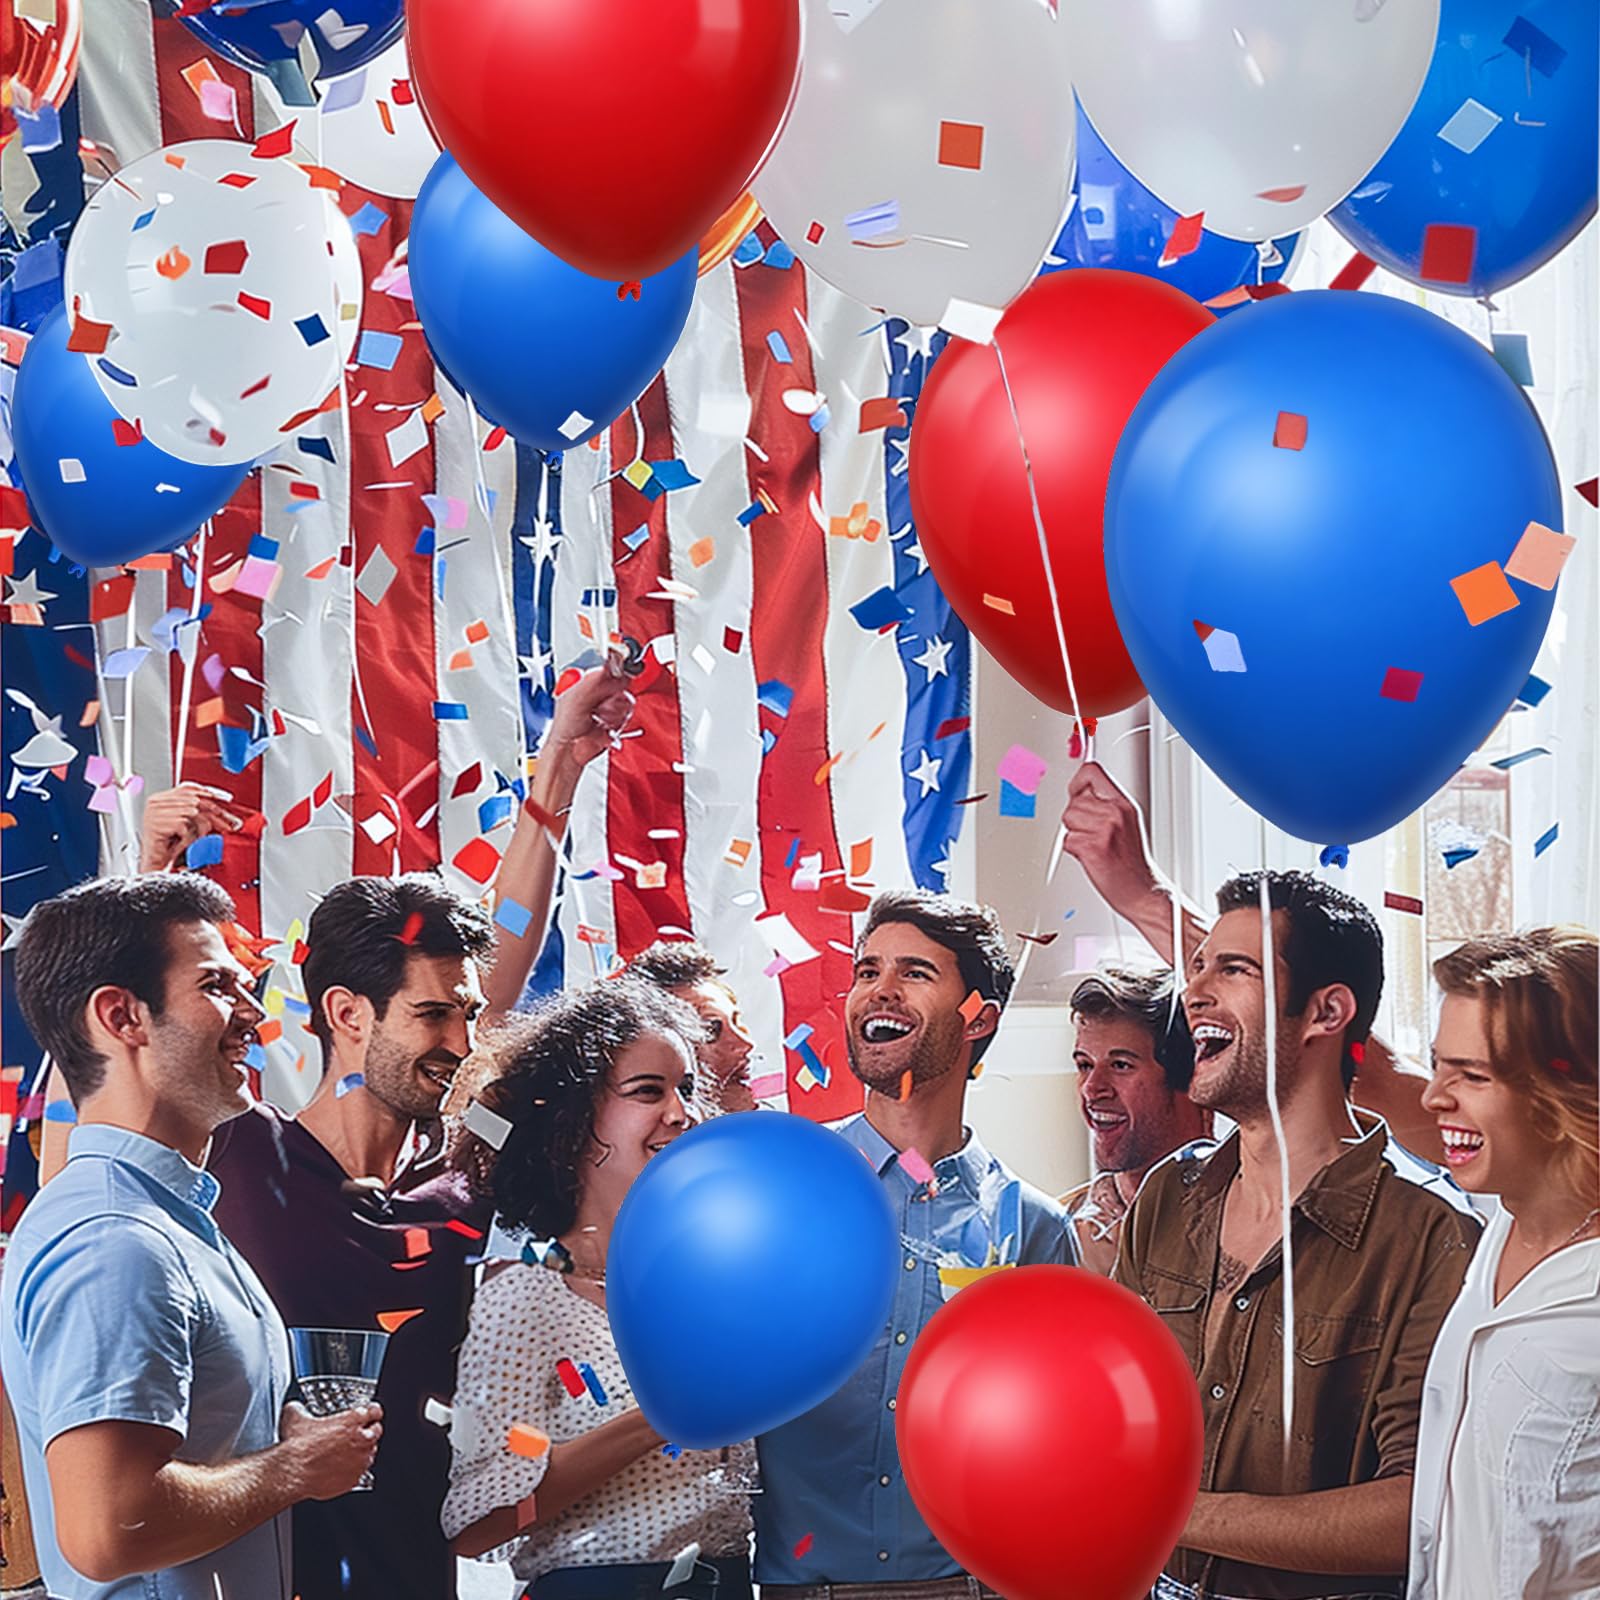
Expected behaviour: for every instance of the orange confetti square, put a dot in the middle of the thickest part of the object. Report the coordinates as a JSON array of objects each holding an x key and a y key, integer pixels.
[
  {"x": 961, "y": 145},
  {"x": 432, "y": 408},
  {"x": 1290, "y": 433},
  {"x": 460, "y": 661},
  {"x": 971, "y": 1006},
  {"x": 390, "y": 1320},
  {"x": 1484, "y": 593},
  {"x": 861, "y": 858},
  {"x": 997, "y": 603},
  {"x": 526, "y": 1441},
  {"x": 477, "y": 631},
  {"x": 417, "y": 1243},
  {"x": 208, "y": 713},
  {"x": 1540, "y": 555},
  {"x": 737, "y": 853},
  {"x": 91, "y": 714},
  {"x": 702, "y": 550}
]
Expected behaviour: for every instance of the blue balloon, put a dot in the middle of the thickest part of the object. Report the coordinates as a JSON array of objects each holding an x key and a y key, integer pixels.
[
  {"x": 1501, "y": 141},
  {"x": 263, "y": 33},
  {"x": 551, "y": 354},
  {"x": 1307, "y": 511},
  {"x": 750, "y": 1271},
  {"x": 1116, "y": 222},
  {"x": 121, "y": 501}
]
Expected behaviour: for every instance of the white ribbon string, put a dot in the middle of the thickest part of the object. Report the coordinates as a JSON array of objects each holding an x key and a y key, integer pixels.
[
  {"x": 1269, "y": 976},
  {"x": 190, "y": 650}
]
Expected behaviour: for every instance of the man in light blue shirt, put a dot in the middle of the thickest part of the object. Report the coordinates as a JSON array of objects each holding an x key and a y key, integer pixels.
[
  {"x": 932, "y": 976},
  {"x": 145, "y": 1364}
]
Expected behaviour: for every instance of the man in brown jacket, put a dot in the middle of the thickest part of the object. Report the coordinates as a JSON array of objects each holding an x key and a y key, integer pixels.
[{"x": 1380, "y": 1240}]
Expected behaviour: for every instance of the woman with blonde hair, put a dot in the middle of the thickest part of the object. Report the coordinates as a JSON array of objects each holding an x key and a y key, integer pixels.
[{"x": 1506, "y": 1502}]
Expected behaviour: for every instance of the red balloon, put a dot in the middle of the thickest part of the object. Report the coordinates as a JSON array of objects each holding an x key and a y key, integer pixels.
[
  {"x": 1080, "y": 349},
  {"x": 1028, "y": 1386},
  {"x": 616, "y": 132}
]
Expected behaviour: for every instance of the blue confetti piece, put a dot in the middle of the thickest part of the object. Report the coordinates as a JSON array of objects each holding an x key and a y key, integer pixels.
[
  {"x": 493, "y": 811},
  {"x": 798, "y": 1036},
  {"x": 295, "y": 1006},
  {"x": 592, "y": 1383},
  {"x": 1511, "y": 351},
  {"x": 368, "y": 220},
  {"x": 1069, "y": 913},
  {"x": 780, "y": 257},
  {"x": 368, "y": 743},
  {"x": 1506, "y": 763},
  {"x": 814, "y": 1061},
  {"x": 749, "y": 251},
  {"x": 124, "y": 663},
  {"x": 672, "y": 1451},
  {"x": 1454, "y": 858},
  {"x": 236, "y": 748},
  {"x": 206, "y": 852},
  {"x": 1546, "y": 839},
  {"x": 751, "y": 512},
  {"x": 514, "y": 918},
  {"x": 379, "y": 350},
  {"x": 41, "y": 129},
  {"x": 1533, "y": 691},
  {"x": 672, "y": 474},
  {"x": 874, "y": 220},
  {"x": 881, "y": 609},
  {"x": 793, "y": 854},
  {"x": 449, "y": 711},
  {"x": 1334, "y": 855},
  {"x": 60, "y": 1111},
  {"x": 776, "y": 696},
  {"x": 351, "y": 1080},
  {"x": 819, "y": 419},
  {"x": 256, "y": 1057},
  {"x": 779, "y": 347},
  {"x": 312, "y": 329},
  {"x": 1542, "y": 53},
  {"x": 425, "y": 543},
  {"x": 116, "y": 374},
  {"x": 262, "y": 546},
  {"x": 145, "y": 220},
  {"x": 440, "y": 568},
  {"x": 605, "y": 598},
  {"x": 322, "y": 448},
  {"x": 1014, "y": 803},
  {"x": 768, "y": 740},
  {"x": 637, "y": 537}
]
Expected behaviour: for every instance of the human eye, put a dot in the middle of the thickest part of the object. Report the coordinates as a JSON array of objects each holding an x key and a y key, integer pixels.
[{"x": 714, "y": 1029}]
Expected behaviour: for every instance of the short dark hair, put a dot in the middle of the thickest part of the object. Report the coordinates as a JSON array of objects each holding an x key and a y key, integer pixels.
[
  {"x": 111, "y": 931},
  {"x": 971, "y": 933},
  {"x": 362, "y": 933},
  {"x": 1333, "y": 938},
  {"x": 1149, "y": 999},
  {"x": 551, "y": 1071},
  {"x": 676, "y": 964}
]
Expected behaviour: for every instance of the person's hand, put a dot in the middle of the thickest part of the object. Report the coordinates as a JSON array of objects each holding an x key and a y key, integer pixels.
[
  {"x": 1104, "y": 837},
  {"x": 588, "y": 714},
  {"x": 174, "y": 819},
  {"x": 327, "y": 1455}
]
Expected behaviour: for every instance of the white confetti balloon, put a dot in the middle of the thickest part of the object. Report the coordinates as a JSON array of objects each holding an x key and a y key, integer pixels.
[
  {"x": 373, "y": 131},
  {"x": 1262, "y": 115},
  {"x": 929, "y": 153},
  {"x": 216, "y": 295}
]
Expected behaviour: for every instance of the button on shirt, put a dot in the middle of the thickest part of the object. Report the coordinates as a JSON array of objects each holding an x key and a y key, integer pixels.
[
  {"x": 832, "y": 1476},
  {"x": 1381, "y": 1246},
  {"x": 123, "y": 1302},
  {"x": 1507, "y": 1496}
]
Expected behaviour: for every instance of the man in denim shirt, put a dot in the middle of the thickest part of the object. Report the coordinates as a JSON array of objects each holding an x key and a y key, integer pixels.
[
  {"x": 834, "y": 1520},
  {"x": 146, "y": 1365}
]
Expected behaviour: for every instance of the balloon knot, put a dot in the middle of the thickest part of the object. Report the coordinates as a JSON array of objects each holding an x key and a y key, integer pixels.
[{"x": 624, "y": 290}]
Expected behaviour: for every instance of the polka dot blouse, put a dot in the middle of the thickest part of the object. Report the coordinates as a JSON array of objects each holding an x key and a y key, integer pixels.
[{"x": 530, "y": 1340}]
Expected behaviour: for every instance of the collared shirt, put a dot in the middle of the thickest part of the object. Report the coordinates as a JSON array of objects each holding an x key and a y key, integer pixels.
[
  {"x": 830, "y": 1480},
  {"x": 123, "y": 1302},
  {"x": 337, "y": 1254},
  {"x": 1380, "y": 1251},
  {"x": 1507, "y": 1496}
]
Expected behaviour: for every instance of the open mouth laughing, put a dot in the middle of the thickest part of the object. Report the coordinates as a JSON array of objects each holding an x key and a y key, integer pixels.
[
  {"x": 439, "y": 1076},
  {"x": 884, "y": 1027},
  {"x": 1461, "y": 1145},
  {"x": 1211, "y": 1039}
]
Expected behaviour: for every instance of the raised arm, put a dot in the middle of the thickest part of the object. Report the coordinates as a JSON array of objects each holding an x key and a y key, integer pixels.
[{"x": 586, "y": 716}]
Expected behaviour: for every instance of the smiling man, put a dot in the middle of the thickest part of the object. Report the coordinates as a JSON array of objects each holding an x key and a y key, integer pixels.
[
  {"x": 1134, "y": 1060},
  {"x": 834, "y": 1520},
  {"x": 326, "y": 1207},
  {"x": 1318, "y": 1508},
  {"x": 685, "y": 968}
]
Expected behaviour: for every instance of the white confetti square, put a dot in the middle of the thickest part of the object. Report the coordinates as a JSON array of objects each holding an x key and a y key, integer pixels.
[
  {"x": 406, "y": 440},
  {"x": 1470, "y": 126},
  {"x": 575, "y": 424},
  {"x": 72, "y": 470},
  {"x": 375, "y": 577},
  {"x": 965, "y": 320},
  {"x": 1223, "y": 651}
]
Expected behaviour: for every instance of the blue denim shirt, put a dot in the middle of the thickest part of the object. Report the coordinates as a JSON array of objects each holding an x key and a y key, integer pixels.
[
  {"x": 834, "y": 1473},
  {"x": 121, "y": 1301}
]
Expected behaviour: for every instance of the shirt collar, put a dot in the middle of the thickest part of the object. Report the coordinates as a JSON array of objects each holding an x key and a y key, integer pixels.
[
  {"x": 168, "y": 1167},
  {"x": 1338, "y": 1199},
  {"x": 966, "y": 1165}
]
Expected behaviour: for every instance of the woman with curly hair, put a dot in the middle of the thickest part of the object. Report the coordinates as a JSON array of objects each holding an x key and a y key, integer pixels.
[
  {"x": 554, "y": 1466},
  {"x": 1506, "y": 1500}
]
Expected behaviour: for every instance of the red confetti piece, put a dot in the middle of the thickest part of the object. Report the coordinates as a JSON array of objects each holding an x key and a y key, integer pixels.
[
  {"x": 1290, "y": 433},
  {"x": 126, "y": 433},
  {"x": 885, "y": 412},
  {"x": 1354, "y": 272},
  {"x": 497, "y": 437},
  {"x": 254, "y": 304},
  {"x": 732, "y": 639},
  {"x": 1399, "y": 683},
  {"x": 88, "y": 337},
  {"x": 465, "y": 1229},
  {"x": 814, "y": 233},
  {"x": 237, "y": 180},
  {"x": 961, "y": 145},
  {"x": 1284, "y": 196},
  {"x": 401, "y": 92},
  {"x": 413, "y": 926},
  {"x": 1184, "y": 239},
  {"x": 297, "y": 816},
  {"x": 477, "y": 859},
  {"x": 1402, "y": 902},
  {"x": 1558, "y": 1064},
  {"x": 255, "y": 388},
  {"x": 1265, "y": 291},
  {"x": 631, "y": 287},
  {"x": 803, "y": 1548},
  {"x": 228, "y": 258},
  {"x": 467, "y": 781},
  {"x": 1590, "y": 490},
  {"x": 570, "y": 1380},
  {"x": 952, "y": 726},
  {"x": 1205, "y": 630},
  {"x": 1448, "y": 252},
  {"x": 277, "y": 143},
  {"x": 1358, "y": 1053}
]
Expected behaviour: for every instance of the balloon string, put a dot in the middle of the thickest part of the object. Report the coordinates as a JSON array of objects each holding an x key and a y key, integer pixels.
[
  {"x": 1269, "y": 980},
  {"x": 1044, "y": 556},
  {"x": 180, "y": 737}
]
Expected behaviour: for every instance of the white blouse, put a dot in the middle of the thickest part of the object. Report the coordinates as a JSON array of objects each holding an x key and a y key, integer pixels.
[
  {"x": 1506, "y": 1501},
  {"x": 526, "y": 1320}
]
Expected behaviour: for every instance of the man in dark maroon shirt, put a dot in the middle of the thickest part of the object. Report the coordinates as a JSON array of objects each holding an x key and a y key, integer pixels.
[{"x": 346, "y": 1222}]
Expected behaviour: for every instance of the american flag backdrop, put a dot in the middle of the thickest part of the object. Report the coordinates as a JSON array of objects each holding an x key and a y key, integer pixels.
[{"x": 363, "y": 646}]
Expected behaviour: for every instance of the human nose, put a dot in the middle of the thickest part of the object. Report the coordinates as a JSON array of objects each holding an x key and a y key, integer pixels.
[
  {"x": 675, "y": 1111},
  {"x": 1437, "y": 1097},
  {"x": 459, "y": 1035}
]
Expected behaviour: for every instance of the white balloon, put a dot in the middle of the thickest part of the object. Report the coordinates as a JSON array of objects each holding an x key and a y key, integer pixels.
[
  {"x": 1260, "y": 114},
  {"x": 232, "y": 292},
  {"x": 373, "y": 137},
  {"x": 928, "y": 156}
]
